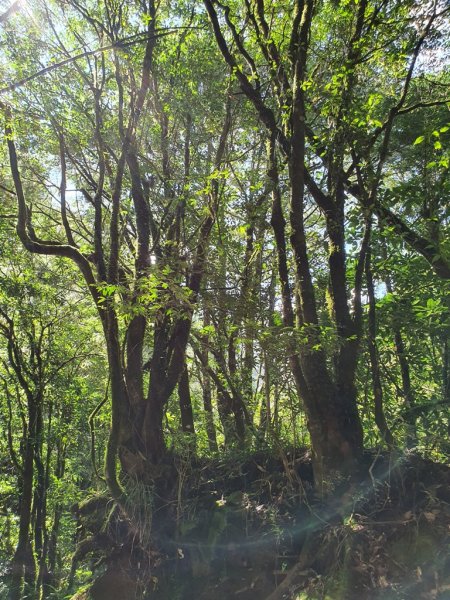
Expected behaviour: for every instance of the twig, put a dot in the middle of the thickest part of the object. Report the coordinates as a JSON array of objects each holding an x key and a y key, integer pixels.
[{"x": 119, "y": 44}]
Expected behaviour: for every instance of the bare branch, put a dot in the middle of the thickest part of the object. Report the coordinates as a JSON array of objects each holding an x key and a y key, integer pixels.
[{"x": 123, "y": 43}]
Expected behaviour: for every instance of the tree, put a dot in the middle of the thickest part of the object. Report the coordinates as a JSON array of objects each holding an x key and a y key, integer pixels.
[
  {"x": 249, "y": 219},
  {"x": 136, "y": 265},
  {"x": 37, "y": 365},
  {"x": 315, "y": 109}
]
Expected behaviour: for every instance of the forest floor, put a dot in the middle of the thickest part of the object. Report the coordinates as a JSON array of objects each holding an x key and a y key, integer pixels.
[{"x": 256, "y": 529}]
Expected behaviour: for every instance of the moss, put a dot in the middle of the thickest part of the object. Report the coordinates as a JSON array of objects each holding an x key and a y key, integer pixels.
[{"x": 82, "y": 594}]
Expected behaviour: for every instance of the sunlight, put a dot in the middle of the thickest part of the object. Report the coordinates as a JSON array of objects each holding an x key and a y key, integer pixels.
[
  {"x": 224, "y": 299},
  {"x": 29, "y": 10}
]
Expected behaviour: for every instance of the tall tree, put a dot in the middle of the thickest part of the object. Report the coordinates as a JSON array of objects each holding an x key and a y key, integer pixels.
[
  {"x": 313, "y": 94},
  {"x": 143, "y": 275}
]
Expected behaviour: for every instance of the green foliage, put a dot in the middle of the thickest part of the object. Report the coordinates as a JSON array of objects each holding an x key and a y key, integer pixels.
[{"x": 77, "y": 118}]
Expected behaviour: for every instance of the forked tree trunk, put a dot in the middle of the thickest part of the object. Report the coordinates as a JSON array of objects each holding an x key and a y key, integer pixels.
[
  {"x": 332, "y": 417},
  {"x": 328, "y": 394}
]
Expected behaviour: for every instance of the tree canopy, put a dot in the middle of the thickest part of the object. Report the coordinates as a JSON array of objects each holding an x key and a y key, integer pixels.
[{"x": 224, "y": 231}]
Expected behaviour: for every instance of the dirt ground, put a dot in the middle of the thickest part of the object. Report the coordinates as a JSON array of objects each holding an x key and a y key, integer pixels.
[{"x": 258, "y": 530}]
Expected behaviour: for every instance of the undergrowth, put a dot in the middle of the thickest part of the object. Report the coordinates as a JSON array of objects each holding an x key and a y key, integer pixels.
[{"x": 256, "y": 529}]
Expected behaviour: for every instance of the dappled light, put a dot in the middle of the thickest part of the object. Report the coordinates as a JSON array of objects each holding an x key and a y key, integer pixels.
[{"x": 224, "y": 300}]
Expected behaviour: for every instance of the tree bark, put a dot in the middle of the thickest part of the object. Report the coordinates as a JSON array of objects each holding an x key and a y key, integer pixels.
[
  {"x": 332, "y": 417},
  {"x": 187, "y": 415},
  {"x": 380, "y": 418},
  {"x": 333, "y": 420},
  {"x": 408, "y": 393},
  {"x": 206, "y": 390},
  {"x": 23, "y": 568}
]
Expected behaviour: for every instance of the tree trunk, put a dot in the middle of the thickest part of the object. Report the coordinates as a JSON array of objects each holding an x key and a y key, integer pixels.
[
  {"x": 332, "y": 416},
  {"x": 187, "y": 415},
  {"x": 408, "y": 394},
  {"x": 265, "y": 422},
  {"x": 446, "y": 378},
  {"x": 40, "y": 491},
  {"x": 153, "y": 427},
  {"x": 380, "y": 418},
  {"x": 23, "y": 568},
  {"x": 206, "y": 392},
  {"x": 225, "y": 410}
]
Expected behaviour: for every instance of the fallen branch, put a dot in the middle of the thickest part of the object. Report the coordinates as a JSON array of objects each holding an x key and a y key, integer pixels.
[{"x": 300, "y": 569}]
